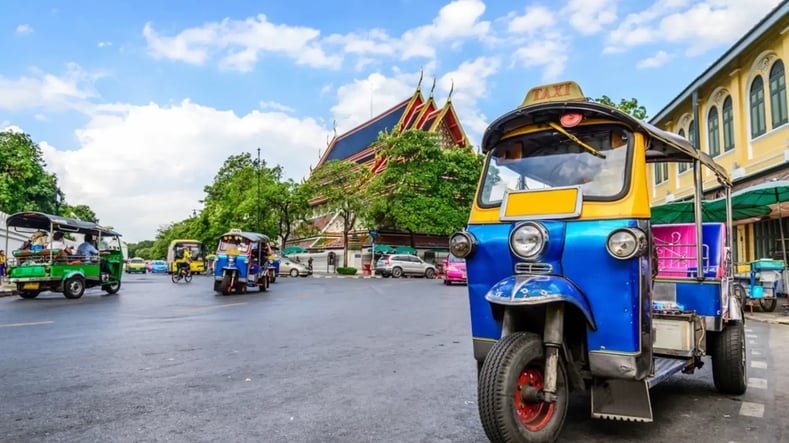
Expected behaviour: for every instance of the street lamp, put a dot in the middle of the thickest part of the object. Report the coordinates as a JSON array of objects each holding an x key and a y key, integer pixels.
[{"x": 57, "y": 201}]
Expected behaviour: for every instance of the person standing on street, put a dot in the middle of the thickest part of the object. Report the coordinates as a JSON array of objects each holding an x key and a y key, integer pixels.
[{"x": 3, "y": 261}]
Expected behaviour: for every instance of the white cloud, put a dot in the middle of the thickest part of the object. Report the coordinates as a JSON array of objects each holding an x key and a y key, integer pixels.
[
  {"x": 470, "y": 85},
  {"x": 698, "y": 26},
  {"x": 240, "y": 43},
  {"x": 275, "y": 106},
  {"x": 139, "y": 167},
  {"x": 104, "y": 44},
  {"x": 24, "y": 29},
  {"x": 590, "y": 16},
  {"x": 656, "y": 61},
  {"x": 534, "y": 20},
  {"x": 455, "y": 21},
  {"x": 42, "y": 90},
  {"x": 549, "y": 51}
]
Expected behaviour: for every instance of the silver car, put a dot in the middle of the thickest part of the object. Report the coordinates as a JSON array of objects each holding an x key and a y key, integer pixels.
[
  {"x": 398, "y": 265},
  {"x": 292, "y": 268}
]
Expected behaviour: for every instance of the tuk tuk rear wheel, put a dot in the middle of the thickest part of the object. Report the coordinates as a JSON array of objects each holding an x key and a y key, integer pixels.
[
  {"x": 513, "y": 368},
  {"x": 768, "y": 304},
  {"x": 112, "y": 289},
  {"x": 729, "y": 363},
  {"x": 74, "y": 287},
  {"x": 28, "y": 294}
]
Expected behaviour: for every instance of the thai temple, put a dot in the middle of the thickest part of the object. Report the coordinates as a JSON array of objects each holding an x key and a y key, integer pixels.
[{"x": 357, "y": 145}]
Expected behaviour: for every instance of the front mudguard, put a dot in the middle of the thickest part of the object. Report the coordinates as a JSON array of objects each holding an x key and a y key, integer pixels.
[{"x": 535, "y": 290}]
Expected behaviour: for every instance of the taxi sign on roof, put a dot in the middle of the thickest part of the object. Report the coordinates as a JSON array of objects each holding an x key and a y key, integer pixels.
[{"x": 556, "y": 92}]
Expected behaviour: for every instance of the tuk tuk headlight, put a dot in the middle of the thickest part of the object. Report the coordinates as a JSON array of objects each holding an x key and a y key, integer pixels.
[
  {"x": 462, "y": 244},
  {"x": 231, "y": 261},
  {"x": 528, "y": 240},
  {"x": 626, "y": 243}
]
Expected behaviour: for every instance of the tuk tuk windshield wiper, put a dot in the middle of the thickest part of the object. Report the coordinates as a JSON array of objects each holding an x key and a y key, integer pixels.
[{"x": 577, "y": 140}]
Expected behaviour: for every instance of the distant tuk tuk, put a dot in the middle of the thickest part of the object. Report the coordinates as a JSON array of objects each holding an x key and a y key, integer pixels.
[
  {"x": 36, "y": 268},
  {"x": 241, "y": 263},
  {"x": 572, "y": 287}
]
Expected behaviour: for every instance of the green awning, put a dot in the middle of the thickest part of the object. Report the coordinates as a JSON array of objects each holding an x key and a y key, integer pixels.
[
  {"x": 712, "y": 211},
  {"x": 385, "y": 249},
  {"x": 294, "y": 250},
  {"x": 405, "y": 250}
]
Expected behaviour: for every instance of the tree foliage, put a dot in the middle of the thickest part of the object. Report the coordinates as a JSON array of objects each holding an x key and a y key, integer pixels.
[
  {"x": 339, "y": 186},
  {"x": 629, "y": 106},
  {"x": 423, "y": 187},
  {"x": 24, "y": 184}
]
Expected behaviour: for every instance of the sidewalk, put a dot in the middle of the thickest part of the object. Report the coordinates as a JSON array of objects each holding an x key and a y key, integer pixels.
[
  {"x": 334, "y": 275},
  {"x": 7, "y": 289},
  {"x": 776, "y": 317}
]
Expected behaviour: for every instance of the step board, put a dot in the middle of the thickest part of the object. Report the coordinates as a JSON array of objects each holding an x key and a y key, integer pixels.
[{"x": 665, "y": 368}]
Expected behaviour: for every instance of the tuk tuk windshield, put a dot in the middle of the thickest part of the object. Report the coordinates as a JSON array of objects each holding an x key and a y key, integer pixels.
[
  {"x": 551, "y": 159},
  {"x": 233, "y": 244}
]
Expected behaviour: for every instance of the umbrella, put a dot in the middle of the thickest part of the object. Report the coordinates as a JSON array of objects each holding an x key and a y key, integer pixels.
[
  {"x": 712, "y": 211},
  {"x": 767, "y": 193},
  {"x": 405, "y": 250},
  {"x": 294, "y": 250}
]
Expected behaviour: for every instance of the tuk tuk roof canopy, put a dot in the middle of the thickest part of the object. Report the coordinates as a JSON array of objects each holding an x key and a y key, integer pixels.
[
  {"x": 251, "y": 236},
  {"x": 42, "y": 221},
  {"x": 294, "y": 250},
  {"x": 550, "y": 102}
]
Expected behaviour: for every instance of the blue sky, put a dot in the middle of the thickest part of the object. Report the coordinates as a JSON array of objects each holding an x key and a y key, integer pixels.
[{"x": 137, "y": 104}]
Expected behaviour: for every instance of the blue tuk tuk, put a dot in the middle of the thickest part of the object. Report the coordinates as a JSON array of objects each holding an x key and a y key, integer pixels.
[
  {"x": 241, "y": 262},
  {"x": 572, "y": 286}
]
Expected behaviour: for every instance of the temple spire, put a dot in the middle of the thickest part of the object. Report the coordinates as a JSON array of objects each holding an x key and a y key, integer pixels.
[
  {"x": 432, "y": 88},
  {"x": 452, "y": 88},
  {"x": 421, "y": 74}
]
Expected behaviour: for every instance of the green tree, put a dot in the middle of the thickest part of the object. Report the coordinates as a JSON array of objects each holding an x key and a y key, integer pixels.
[
  {"x": 423, "y": 187},
  {"x": 81, "y": 212},
  {"x": 629, "y": 106},
  {"x": 24, "y": 184},
  {"x": 290, "y": 204},
  {"x": 338, "y": 186}
]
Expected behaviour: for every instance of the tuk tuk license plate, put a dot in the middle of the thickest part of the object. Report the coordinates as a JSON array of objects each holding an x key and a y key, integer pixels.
[{"x": 30, "y": 286}]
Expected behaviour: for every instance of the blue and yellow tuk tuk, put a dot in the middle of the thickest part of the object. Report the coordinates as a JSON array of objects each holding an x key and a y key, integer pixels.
[
  {"x": 241, "y": 262},
  {"x": 572, "y": 287}
]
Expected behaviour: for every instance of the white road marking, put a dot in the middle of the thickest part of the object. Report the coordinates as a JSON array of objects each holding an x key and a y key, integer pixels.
[
  {"x": 756, "y": 353},
  {"x": 751, "y": 342},
  {"x": 748, "y": 330},
  {"x": 751, "y": 335},
  {"x": 749, "y": 409},
  {"x": 757, "y": 383},
  {"x": 205, "y": 308},
  {"x": 32, "y": 323},
  {"x": 760, "y": 364}
]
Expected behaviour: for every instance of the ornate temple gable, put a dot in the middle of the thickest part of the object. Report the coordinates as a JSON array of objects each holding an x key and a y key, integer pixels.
[
  {"x": 447, "y": 117},
  {"x": 429, "y": 108}
]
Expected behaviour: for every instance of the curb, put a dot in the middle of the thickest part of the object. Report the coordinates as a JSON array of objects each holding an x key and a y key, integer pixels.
[
  {"x": 7, "y": 292},
  {"x": 346, "y": 276},
  {"x": 774, "y": 321}
]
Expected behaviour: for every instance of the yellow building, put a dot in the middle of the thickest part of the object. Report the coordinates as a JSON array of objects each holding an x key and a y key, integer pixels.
[{"x": 736, "y": 111}]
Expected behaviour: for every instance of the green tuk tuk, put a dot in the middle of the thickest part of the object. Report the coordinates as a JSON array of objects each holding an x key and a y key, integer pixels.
[{"x": 37, "y": 267}]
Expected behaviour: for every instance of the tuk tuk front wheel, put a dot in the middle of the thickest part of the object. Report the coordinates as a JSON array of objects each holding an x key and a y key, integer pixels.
[
  {"x": 74, "y": 287},
  {"x": 768, "y": 304},
  {"x": 509, "y": 386},
  {"x": 729, "y": 365},
  {"x": 227, "y": 284}
]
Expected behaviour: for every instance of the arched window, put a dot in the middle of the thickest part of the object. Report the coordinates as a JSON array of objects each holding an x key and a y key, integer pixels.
[
  {"x": 778, "y": 94},
  {"x": 758, "y": 124},
  {"x": 713, "y": 133},
  {"x": 728, "y": 125},
  {"x": 692, "y": 134},
  {"x": 681, "y": 167}
]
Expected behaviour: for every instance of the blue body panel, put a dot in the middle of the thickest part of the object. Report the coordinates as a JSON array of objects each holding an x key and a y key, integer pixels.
[
  {"x": 222, "y": 264},
  {"x": 608, "y": 287},
  {"x": 704, "y": 298}
]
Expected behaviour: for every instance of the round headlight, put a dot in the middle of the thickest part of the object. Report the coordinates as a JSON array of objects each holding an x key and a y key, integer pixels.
[
  {"x": 528, "y": 240},
  {"x": 462, "y": 244},
  {"x": 626, "y": 243}
]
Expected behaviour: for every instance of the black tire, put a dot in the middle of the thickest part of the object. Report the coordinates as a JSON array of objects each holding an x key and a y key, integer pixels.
[
  {"x": 74, "y": 287},
  {"x": 729, "y": 362},
  {"x": 294, "y": 272},
  {"x": 446, "y": 282},
  {"x": 188, "y": 278},
  {"x": 768, "y": 304},
  {"x": 430, "y": 273},
  {"x": 397, "y": 272},
  {"x": 515, "y": 362},
  {"x": 175, "y": 276},
  {"x": 227, "y": 287},
  {"x": 28, "y": 294},
  {"x": 112, "y": 289}
]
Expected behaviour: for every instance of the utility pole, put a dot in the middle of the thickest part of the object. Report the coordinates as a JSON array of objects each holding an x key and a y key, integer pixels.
[{"x": 258, "y": 200}]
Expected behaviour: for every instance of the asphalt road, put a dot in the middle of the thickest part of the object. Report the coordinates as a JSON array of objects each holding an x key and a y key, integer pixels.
[{"x": 312, "y": 360}]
